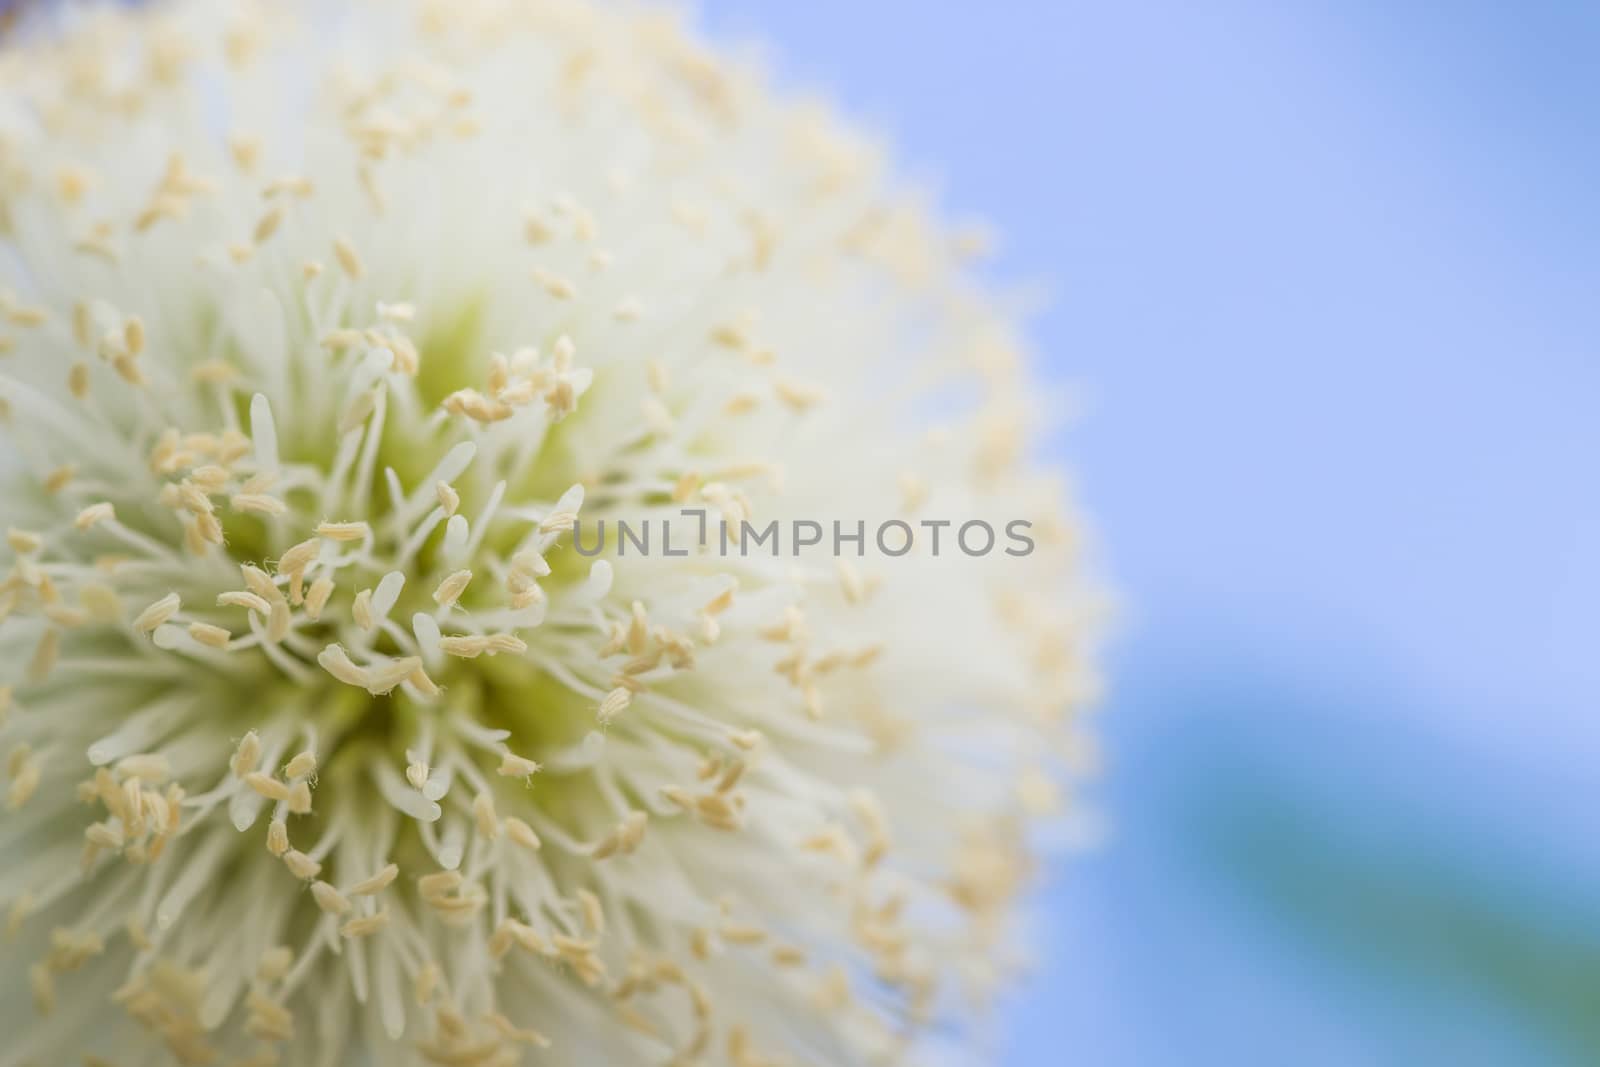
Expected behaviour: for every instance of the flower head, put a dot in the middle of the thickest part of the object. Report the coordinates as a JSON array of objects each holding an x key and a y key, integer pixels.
[{"x": 324, "y": 330}]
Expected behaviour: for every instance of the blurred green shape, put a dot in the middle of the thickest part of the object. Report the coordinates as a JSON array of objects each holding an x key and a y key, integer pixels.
[{"x": 1405, "y": 905}]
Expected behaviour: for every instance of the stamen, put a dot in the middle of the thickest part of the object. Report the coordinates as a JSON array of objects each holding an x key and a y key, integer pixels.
[
  {"x": 329, "y": 899},
  {"x": 451, "y": 588},
  {"x": 301, "y": 865},
  {"x": 91, "y": 515},
  {"x": 366, "y": 926},
  {"x": 376, "y": 884},
  {"x": 157, "y": 613},
  {"x": 514, "y": 766},
  {"x": 349, "y": 261},
  {"x": 247, "y": 755},
  {"x": 344, "y": 531},
  {"x": 240, "y": 599}
]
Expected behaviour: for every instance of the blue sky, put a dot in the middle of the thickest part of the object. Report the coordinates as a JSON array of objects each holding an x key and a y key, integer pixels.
[{"x": 1325, "y": 285}]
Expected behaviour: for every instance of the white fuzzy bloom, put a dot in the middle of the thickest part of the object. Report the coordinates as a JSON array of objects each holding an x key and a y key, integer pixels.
[{"x": 322, "y": 327}]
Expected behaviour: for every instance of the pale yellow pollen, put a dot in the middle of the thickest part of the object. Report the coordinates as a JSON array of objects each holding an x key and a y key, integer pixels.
[
  {"x": 101, "y": 602},
  {"x": 423, "y": 683},
  {"x": 624, "y": 839},
  {"x": 563, "y": 352},
  {"x": 194, "y": 498},
  {"x": 246, "y": 755},
  {"x": 210, "y": 477},
  {"x": 267, "y": 1020},
  {"x": 342, "y": 340},
  {"x": 28, "y": 317},
  {"x": 471, "y": 646},
  {"x": 483, "y": 814},
  {"x": 514, "y": 766},
  {"x": 299, "y": 557},
  {"x": 555, "y": 285},
  {"x": 678, "y": 795},
  {"x": 535, "y": 230},
  {"x": 417, "y": 774},
  {"x": 656, "y": 375},
  {"x": 42, "y": 983},
  {"x": 260, "y": 583},
  {"x": 93, "y": 514},
  {"x": 376, "y": 884},
  {"x": 504, "y": 937},
  {"x": 383, "y": 677},
  {"x": 277, "y": 837},
  {"x": 275, "y": 963},
  {"x": 330, "y": 899},
  {"x": 365, "y": 926},
  {"x": 267, "y": 786},
  {"x": 337, "y": 662},
  {"x": 25, "y": 777},
  {"x": 245, "y": 151},
  {"x": 439, "y": 883},
  {"x": 741, "y": 933},
  {"x": 361, "y": 609},
  {"x": 638, "y": 629},
  {"x": 238, "y": 598},
  {"x": 426, "y": 981},
  {"x": 262, "y": 503},
  {"x": 210, "y": 635},
  {"x": 450, "y": 590},
  {"x": 317, "y": 597},
  {"x": 614, "y": 704},
  {"x": 449, "y": 499},
  {"x": 521, "y": 833},
  {"x": 18, "y": 913},
  {"x": 731, "y": 335},
  {"x": 345, "y": 253},
  {"x": 128, "y": 370},
  {"x": 593, "y": 915},
  {"x": 344, "y": 531},
  {"x": 303, "y": 764},
  {"x": 558, "y": 522},
  {"x": 798, "y": 396},
  {"x": 78, "y": 380},
  {"x": 300, "y": 798},
  {"x": 267, "y": 226},
  {"x": 474, "y": 405},
  {"x": 58, "y": 479},
  {"x": 301, "y": 865},
  {"x": 23, "y": 541},
  {"x": 157, "y": 613},
  {"x": 278, "y": 620},
  {"x": 731, "y": 775},
  {"x": 65, "y": 616},
  {"x": 213, "y": 372},
  {"x": 292, "y": 184},
  {"x": 133, "y": 335},
  {"x": 104, "y": 836},
  {"x": 499, "y": 373}
]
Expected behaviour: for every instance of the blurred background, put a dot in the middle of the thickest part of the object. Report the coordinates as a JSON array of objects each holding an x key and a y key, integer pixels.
[{"x": 1325, "y": 283}]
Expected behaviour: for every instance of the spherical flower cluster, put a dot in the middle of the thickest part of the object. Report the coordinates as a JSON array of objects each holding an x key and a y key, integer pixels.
[{"x": 322, "y": 325}]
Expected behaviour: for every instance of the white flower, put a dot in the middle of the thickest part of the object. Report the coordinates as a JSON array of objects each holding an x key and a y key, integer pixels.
[{"x": 322, "y": 328}]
